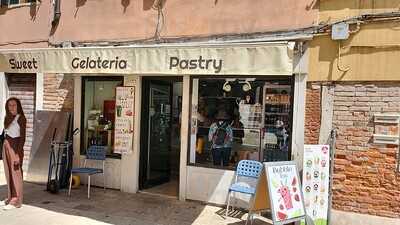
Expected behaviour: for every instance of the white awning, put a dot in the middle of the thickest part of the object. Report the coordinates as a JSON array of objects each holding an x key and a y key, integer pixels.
[{"x": 233, "y": 59}]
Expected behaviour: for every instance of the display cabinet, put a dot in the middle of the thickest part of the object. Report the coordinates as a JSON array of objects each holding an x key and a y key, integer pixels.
[{"x": 277, "y": 122}]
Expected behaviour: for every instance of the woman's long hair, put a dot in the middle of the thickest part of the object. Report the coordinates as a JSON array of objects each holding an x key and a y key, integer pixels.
[{"x": 9, "y": 117}]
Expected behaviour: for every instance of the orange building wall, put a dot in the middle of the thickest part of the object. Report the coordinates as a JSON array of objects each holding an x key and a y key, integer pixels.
[
  {"x": 123, "y": 20},
  {"x": 26, "y": 26}
]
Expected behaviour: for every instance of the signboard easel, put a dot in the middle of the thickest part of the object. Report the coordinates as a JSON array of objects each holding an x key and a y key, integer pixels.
[{"x": 279, "y": 190}]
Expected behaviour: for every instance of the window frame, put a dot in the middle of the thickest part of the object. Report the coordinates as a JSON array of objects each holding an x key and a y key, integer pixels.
[
  {"x": 21, "y": 3},
  {"x": 82, "y": 122},
  {"x": 291, "y": 78}
]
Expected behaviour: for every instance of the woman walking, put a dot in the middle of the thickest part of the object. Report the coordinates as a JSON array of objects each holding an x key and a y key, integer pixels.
[{"x": 13, "y": 153}]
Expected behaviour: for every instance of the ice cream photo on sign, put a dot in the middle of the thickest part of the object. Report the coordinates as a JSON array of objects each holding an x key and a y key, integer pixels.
[{"x": 285, "y": 192}]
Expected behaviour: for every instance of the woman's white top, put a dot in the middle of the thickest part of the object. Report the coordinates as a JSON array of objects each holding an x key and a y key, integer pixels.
[{"x": 13, "y": 130}]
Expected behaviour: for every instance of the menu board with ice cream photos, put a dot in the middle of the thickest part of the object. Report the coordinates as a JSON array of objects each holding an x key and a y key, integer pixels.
[
  {"x": 285, "y": 192},
  {"x": 125, "y": 99},
  {"x": 316, "y": 182}
]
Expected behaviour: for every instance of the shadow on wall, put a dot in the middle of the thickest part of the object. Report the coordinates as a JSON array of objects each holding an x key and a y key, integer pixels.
[
  {"x": 313, "y": 5},
  {"x": 67, "y": 93},
  {"x": 125, "y": 4},
  {"x": 34, "y": 9},
  {"x": 153, "y": 4},
  {"x": 79, "y": 3}
]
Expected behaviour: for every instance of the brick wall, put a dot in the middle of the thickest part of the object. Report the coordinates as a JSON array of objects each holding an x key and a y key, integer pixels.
[
  {"x": 313, "y": 114},
  {"x": 58, "y": 93},
  {"x": 365, "y": 180}
]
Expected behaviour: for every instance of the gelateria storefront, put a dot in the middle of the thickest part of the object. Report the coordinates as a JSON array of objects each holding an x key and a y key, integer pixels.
[{"x": 176, "y": 119}]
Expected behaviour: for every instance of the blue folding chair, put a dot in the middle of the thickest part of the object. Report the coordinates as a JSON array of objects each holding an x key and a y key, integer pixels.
[
  {"x": 246, "y": 176},
  {"x": 94, "y": 152}
]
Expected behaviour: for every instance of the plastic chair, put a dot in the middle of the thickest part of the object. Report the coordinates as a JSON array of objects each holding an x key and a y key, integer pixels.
[
  {"x": 250, "y": 170},
  {"x": 94, "y": 152}
]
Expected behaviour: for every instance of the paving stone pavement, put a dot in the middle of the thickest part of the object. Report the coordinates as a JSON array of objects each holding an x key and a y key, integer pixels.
[{"x": 112, "y": 207}]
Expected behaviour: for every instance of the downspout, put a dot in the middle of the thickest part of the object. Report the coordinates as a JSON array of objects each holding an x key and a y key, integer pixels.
[{"x": 57, "y": 12}]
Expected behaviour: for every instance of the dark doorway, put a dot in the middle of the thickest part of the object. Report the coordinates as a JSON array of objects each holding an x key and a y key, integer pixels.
[{"x": 160, "y": 135}]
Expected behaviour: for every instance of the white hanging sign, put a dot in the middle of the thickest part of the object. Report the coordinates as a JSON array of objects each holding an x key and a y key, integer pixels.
[{"x": 124, "y": 119}]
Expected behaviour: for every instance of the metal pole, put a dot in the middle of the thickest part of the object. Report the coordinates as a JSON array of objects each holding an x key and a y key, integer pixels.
[{"x": 332, "y": 145}]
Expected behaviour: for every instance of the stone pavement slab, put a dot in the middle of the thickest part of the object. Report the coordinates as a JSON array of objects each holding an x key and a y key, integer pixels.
[{"x": 112, "y": 207}]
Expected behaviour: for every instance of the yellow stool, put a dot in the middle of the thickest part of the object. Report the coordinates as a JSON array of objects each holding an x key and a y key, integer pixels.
[
  {"x": 200, "y": 145},
  {"x": 76, "y": 181}
]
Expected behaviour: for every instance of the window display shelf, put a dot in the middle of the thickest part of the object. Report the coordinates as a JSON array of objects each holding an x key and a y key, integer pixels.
[{"x": 277, "y": 108}]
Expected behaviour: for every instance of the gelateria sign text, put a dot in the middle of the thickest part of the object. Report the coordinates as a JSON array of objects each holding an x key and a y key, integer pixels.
[
  {"x": 99, "y": 63},
  {"x": 236, "y": 59}
]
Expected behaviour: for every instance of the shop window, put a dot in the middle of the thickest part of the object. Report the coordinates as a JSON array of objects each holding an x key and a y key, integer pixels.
[
  {"x": 98, "y": 112},
  {"x": 240, "y": 118}
]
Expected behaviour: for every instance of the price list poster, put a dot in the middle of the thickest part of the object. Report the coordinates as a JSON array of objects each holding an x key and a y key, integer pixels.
[
  {"x": 316, "y": 182},
  {"x": 124, "y": 119}
]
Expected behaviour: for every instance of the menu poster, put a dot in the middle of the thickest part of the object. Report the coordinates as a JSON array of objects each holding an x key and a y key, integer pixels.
[
  {"x": 124, "y": 117},
  {"x": 285, "y": 192},
  {"x": 316, "y": 182}
]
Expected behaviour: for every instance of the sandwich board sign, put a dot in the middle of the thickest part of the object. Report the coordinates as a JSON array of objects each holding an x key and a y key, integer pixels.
[{"x": 279, "y": 190}]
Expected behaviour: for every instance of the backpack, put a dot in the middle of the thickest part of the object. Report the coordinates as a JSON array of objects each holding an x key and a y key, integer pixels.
[{"x": 220, "y": 135}]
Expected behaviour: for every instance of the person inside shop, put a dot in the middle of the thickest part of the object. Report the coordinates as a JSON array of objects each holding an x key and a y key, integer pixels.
[
  {"x": 280, "y": 134},
  {"x": 13, "y": 152},
  {"x": 238, "y": 131},
  {"x": 248, "y": 99},
  {"x": 221, "y": 137}
]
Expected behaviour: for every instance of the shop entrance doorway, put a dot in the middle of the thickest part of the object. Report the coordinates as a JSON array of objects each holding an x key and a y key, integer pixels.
[{"x": 160, "y": 135}]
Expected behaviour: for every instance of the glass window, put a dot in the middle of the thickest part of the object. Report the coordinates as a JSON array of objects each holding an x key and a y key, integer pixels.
[
  {"x": 16, "y": 2},
  {"x": 98, "y": 112},
  {"x": 240, "y": 118}
]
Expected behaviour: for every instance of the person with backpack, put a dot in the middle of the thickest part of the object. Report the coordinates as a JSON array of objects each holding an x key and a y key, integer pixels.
[{"x": 221, "y": 137}]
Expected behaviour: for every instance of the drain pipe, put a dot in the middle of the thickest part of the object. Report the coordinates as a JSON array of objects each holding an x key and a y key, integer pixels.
[{"x": 57, "y": 12}]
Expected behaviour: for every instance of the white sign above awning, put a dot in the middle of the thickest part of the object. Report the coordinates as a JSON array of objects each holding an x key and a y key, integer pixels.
[{"x": 243, "y": 59}]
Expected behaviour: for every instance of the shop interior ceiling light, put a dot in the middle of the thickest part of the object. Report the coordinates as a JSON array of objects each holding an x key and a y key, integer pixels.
[
  {"x": 246, "y": 86},
  {"x": 227, "y": 87}
]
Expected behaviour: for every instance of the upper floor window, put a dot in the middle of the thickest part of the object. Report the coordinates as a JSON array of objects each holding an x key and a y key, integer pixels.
[{"x": 16, "y": 2}]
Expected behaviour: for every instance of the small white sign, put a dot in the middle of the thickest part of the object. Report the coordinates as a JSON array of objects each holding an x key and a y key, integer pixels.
[{"x": 340, "y": 31}]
